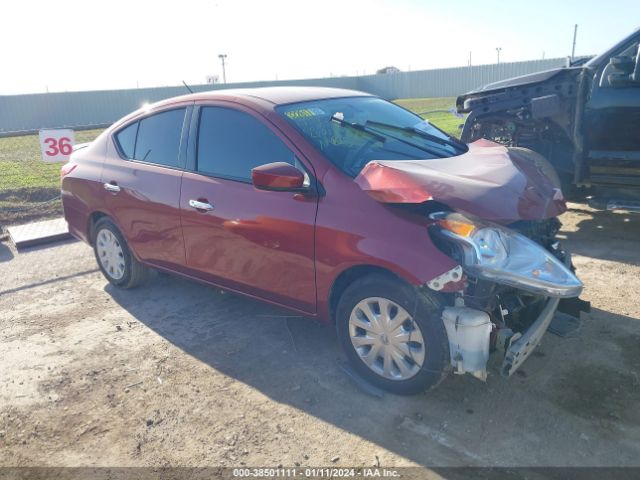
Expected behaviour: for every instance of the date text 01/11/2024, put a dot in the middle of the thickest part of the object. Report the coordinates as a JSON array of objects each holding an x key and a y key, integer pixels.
[{"x": 314, "y": 472}]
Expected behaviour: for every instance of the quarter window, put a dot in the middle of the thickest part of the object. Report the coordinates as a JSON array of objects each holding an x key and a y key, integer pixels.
[
  {"x": 231, "y": 143},
  {"x": 158, "y": 139},
  {"x": 127, "y": 139}
]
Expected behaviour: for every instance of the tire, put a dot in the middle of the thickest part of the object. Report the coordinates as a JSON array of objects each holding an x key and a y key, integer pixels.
[
  {"x": 118, "y": 264},
  {"x": 422, "y": 370}
]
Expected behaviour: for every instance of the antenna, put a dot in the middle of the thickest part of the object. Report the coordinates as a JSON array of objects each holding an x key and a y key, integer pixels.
[{"x": 185, "y": 84}]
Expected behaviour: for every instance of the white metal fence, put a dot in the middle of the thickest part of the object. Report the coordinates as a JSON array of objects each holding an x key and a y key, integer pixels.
[{"x": 80, "y": 110}]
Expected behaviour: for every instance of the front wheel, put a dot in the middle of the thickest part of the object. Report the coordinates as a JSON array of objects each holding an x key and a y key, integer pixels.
[{"x": 393, "y": 334}]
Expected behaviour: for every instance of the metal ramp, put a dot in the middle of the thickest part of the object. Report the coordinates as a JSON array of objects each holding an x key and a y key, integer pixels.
[{"x": 39, "y": 233}]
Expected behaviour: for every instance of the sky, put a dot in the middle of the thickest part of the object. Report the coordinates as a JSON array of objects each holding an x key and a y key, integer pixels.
[{"x": 66, "y": 45}]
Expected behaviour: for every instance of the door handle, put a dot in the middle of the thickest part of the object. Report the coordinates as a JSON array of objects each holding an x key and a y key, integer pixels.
[
  {"x": 198, "y": 205},
  {"x": 111, "y": 187}
]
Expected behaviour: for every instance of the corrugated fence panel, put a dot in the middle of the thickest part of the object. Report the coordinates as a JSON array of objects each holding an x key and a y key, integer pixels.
[
  {"x": 449, "y": 82},
  {"x": 28, "y": 113}
]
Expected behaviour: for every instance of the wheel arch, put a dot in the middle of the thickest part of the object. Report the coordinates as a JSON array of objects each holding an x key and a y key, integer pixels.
[
  {"x": 91, "y": 224},
  {"x": 350, "y": 275}
]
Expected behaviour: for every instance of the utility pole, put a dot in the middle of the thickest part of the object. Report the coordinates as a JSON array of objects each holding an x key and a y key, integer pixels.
[
  {"x": 498, "y": 50},
  {"x": 222, "y": 57},
  {"x": 575, "y": 34},
  {"x": 469, "y": 58}
]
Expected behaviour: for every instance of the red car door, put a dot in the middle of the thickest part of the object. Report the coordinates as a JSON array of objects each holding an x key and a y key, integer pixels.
[
  {"x": 141, "y": 176},
  {"x": 255, "y": 241}
]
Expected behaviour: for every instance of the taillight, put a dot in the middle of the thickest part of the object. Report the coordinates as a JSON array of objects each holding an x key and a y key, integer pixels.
[{"x": 66, "y": 169}]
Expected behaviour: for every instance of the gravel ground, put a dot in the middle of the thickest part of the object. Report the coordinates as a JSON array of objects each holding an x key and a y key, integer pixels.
[{"x": 179, "y": 374}]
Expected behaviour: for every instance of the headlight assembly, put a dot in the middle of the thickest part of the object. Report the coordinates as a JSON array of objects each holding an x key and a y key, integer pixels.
[{"x": 493, "y": 252}]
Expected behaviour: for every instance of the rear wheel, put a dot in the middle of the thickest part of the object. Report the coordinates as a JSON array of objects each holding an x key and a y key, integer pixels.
[
  {"x": 115, "y": 260},
  {"x": 393, "y": 334}
]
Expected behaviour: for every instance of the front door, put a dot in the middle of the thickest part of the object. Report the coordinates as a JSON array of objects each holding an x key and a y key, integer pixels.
[
  {"x": 612, "y": 121},
  {"x": 142, "y": 175},
  {"x": 259, "y": 242}
]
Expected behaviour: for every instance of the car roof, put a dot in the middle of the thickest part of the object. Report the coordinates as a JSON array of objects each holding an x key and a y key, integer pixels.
[
  {"x": 263, "y": 97},
  {"x": 283, "y": 95},
  {"x": 273, "y": 95}
]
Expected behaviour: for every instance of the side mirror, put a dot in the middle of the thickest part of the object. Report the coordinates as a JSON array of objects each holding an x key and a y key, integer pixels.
[{"x": 279, "y": 176}]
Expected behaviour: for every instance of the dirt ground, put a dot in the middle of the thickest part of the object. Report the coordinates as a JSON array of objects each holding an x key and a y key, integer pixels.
[{"x": 179, "y": 374}]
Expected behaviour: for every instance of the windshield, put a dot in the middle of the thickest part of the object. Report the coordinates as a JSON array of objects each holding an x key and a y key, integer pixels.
[
  {"x": 352, "y": 131},
  {"x": 604, "y": 57}
]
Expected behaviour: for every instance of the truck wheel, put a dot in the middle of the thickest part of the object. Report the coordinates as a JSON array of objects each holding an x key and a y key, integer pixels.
[
  {"x": 114, "y": 258},
  {"x": 541, "y": 162},
  {"x": 393, "y": 334}
]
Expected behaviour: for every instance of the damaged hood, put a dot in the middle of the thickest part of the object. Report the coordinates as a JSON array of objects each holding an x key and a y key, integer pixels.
[
  {"x": 528, "y": 79},
  {"x": 488, "y": 181},
  {"x": 465, "y": 103}
]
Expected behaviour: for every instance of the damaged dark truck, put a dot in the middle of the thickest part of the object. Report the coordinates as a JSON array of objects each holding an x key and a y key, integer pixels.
[{"x": 582, "y": 120}]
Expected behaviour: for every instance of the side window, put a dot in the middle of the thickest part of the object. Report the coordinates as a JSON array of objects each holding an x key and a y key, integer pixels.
[
  {"x": 127, "y": 139},
  {"x": 231, "y": 143},
  {"x": 158, "y": 139}
]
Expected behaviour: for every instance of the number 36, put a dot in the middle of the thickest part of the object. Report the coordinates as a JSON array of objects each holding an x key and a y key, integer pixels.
[{"x": 56, "y": 146}]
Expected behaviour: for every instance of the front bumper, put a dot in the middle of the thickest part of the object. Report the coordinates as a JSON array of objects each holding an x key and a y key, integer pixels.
[{"x": 521, "y": 346}]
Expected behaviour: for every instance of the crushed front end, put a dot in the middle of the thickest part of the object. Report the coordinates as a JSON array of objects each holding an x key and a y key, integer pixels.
[
  {"x": 494, "y": 211},
  {"x": 510, "y": 283}
]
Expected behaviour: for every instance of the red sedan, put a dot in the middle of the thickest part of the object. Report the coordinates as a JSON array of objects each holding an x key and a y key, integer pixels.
[{"x": 424, "y": 252}]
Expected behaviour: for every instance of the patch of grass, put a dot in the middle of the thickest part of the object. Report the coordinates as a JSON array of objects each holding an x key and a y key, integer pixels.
[
  {"x": 444, "y": 120},
  {"x": 25, "y": 180},
  {"x": 21, "y": 164}
]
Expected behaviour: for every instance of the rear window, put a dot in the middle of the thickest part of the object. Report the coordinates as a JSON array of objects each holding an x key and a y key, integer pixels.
[{"x": 158, "y": 139}]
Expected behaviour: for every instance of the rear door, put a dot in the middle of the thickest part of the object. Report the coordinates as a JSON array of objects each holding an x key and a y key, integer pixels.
[
  {"x": 259, "y": 242},
  {"x": 142, "y": 176}
]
